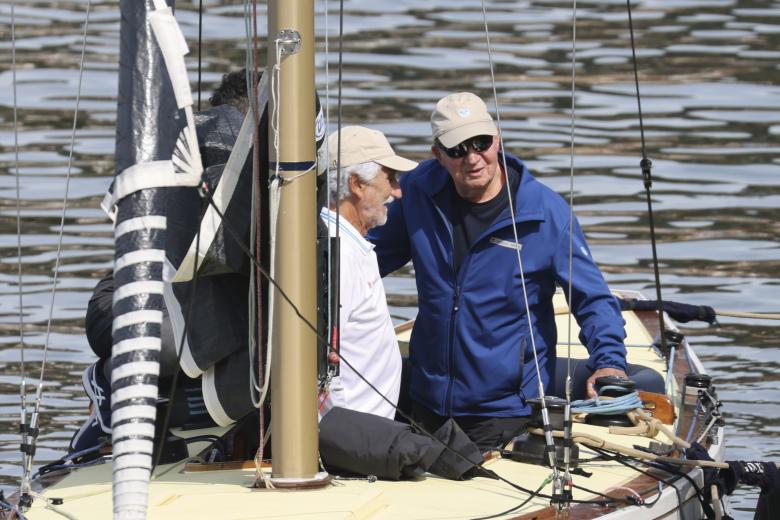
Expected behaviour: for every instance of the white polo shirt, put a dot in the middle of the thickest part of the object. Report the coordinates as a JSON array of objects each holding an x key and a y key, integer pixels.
[{"x": 367, "y": 335}]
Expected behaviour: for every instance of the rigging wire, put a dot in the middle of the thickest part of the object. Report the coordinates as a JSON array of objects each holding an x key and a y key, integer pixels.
[
  {"x": 545, "y": 414},
  {"x": 567, "y": 422},
  {"x": 23, "y": 376},
  {"x": 646, "y": 165},
  {"x": 33, "y": 427}
]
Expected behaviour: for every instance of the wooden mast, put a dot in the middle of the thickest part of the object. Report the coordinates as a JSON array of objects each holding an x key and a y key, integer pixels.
[{"x": 294, "y": 371}]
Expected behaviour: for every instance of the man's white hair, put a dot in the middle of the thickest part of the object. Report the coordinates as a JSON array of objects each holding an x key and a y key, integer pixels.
[{"x": 366, "y": 172}]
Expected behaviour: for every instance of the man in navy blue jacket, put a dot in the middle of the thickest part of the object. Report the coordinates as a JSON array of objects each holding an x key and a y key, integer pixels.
[{"x": 489, "y": 243}]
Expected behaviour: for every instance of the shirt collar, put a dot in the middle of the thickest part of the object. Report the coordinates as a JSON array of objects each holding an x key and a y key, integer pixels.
[{"x": 346, "y": 230}]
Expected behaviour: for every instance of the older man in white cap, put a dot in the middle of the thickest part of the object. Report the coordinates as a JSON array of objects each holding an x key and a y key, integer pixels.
[
  {"x": 464, "y": 221},
  {"x": 360, "y": 190}
]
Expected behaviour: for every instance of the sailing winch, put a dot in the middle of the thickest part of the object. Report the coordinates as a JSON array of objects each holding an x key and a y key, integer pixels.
[{"x": 611, "y": 387}]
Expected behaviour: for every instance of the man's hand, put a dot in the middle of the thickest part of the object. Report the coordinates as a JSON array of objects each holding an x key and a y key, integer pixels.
[{"x": 601, "y": 372}]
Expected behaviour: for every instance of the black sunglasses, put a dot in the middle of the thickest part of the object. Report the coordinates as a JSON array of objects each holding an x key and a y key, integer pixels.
[{"x": 479, "y": 143}]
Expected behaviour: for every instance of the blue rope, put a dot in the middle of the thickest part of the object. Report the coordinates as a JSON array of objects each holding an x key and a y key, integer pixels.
[{"x": 617, "y": 406}]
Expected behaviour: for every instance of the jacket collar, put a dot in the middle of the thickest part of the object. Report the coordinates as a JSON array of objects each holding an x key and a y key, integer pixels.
[{"x": 434, "y": 179}]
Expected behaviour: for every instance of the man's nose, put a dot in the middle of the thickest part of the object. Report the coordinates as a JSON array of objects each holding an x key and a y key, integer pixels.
[
  {"x": 472, "y": 156},
  {"x": 395, "y": 190}
]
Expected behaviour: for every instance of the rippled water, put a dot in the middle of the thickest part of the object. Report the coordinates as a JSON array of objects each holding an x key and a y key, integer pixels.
[{"x": 710, "y": 84}]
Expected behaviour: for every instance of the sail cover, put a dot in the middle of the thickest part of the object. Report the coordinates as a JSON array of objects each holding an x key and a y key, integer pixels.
[{"x": 155, "y": 148}]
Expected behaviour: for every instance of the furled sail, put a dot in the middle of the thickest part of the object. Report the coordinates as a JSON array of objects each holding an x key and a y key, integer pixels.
[{"x": 156, "y": 148}]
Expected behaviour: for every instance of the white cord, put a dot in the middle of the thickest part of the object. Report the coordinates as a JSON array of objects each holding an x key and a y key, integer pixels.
[
  {"x": 287, "y": 180},
  {"x": 273, "y": 213},
  {"x": 276, "y": 98}
]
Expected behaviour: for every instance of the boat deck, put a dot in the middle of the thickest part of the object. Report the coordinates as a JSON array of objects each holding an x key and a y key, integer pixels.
[{"x": 179, "y": 493}]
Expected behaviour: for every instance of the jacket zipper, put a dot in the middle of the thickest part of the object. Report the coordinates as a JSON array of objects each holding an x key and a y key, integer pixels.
[
  {"x": 522, "y": 364},
  {"x": 451, "y": 354},
  {"x": 453, "y": 310},
  {"x": 453, "y": 315}
]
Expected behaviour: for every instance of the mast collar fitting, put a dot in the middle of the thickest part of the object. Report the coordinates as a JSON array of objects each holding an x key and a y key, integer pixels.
[{"x": 289, "y": 41}]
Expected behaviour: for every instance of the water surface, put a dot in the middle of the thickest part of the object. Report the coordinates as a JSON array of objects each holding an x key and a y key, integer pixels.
[{"x": 710, "y": 92}]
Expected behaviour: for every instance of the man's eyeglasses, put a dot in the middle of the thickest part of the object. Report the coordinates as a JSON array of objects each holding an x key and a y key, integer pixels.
[{"x": 479, "y": 143}]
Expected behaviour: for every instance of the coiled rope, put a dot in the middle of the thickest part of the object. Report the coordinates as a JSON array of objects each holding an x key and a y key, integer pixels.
[{"x": 601, "y": 405}]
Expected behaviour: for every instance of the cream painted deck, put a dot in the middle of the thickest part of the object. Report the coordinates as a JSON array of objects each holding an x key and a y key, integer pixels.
[{"x": 224, "y": 494}]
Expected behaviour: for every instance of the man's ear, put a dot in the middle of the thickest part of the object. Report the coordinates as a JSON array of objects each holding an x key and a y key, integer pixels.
[
  {"x": 437, "y": 153},
  {"x": 355, "y": 185}
]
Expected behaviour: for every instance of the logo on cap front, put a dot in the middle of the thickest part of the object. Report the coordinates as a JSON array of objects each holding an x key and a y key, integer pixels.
[
  {"x": 464, "y": 112},
  {"x": 319, "y": 126}
]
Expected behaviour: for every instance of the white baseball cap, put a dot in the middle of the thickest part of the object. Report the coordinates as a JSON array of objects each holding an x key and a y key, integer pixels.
[
  {"x": 460, "y": 116},
  {"x": 360, "y": 144}
]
